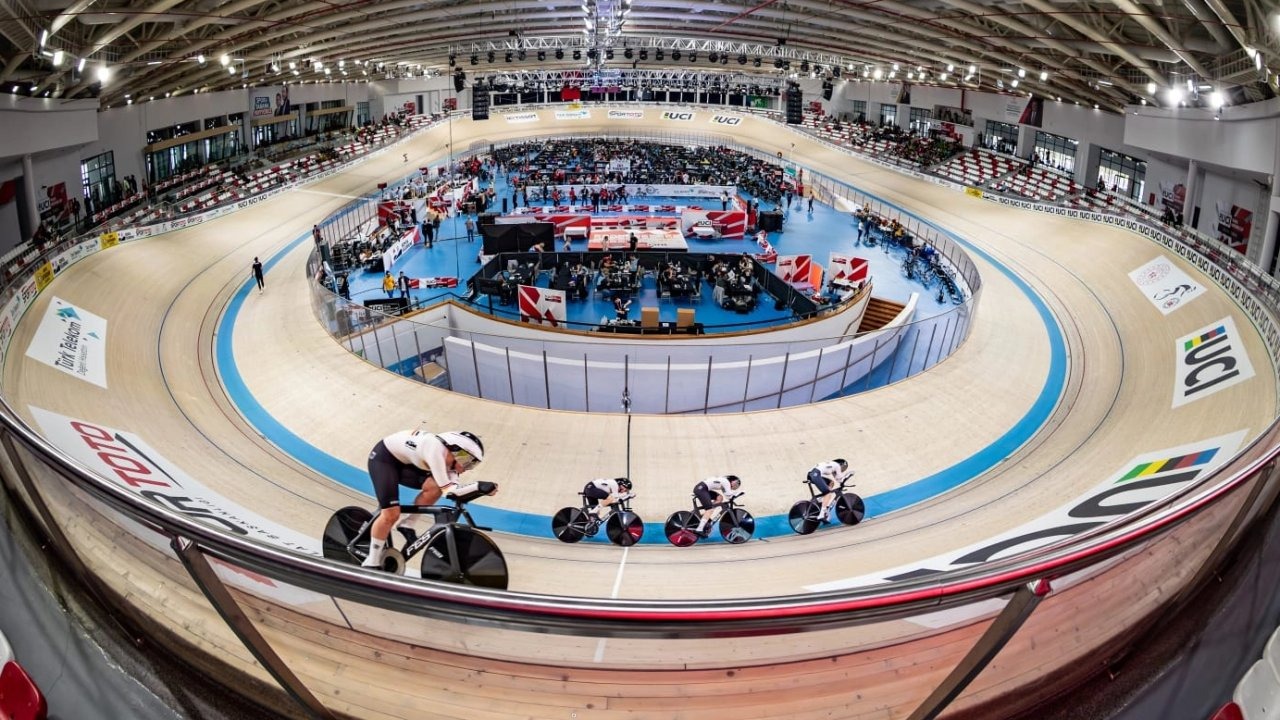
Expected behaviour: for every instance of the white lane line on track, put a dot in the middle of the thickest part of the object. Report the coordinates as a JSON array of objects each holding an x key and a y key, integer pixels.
[
  {"x": 321, "y": 192},
  {"x": 617, "y": 585}
]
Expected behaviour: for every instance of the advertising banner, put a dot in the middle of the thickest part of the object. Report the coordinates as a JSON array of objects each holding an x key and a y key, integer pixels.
[
  {"x": 1208, "y": 360},
  {"x": 44, "y": 275},
  {"x": 128, "y": 461},
  {"x": 521, "y": 117},
  {"x": 542, "y": 306},
  {"x": 72, "y": 340},
  {"x": 1145, "y": 479},
  {"x": 1234, "y": 226},
  {"x": 726, "y": 120},
  {"x": 1172, "y": 196},
  {"x": 1165, "y": 285},
  {"x": 582, "y": 114},
  {"x": 268, "y": 102},
  {"x": 626, "y": 114},
  {"x": 108, "y": 240},
  {"x": 678, "y": 115},
  {"x": 399, "y": 247},
  {"x": 848, "y": 269},
  {"x": 794, "y": 269}
]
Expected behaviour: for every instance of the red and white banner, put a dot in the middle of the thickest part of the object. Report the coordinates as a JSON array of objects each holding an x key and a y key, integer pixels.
[
  {"x": 727, "y": 223},
  {"x": 848, "y": 268},
  {"x": 542, "y": 306},
  {"x": 767, "y": 254},
  {"x": 794, "y": 269},
  {"x": 433, "y": 282}
]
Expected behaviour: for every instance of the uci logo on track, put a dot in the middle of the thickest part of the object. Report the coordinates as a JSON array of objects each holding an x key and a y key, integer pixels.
[
  {"x": 1210, "y": 359},
  {"x": 679, "y": 116}
]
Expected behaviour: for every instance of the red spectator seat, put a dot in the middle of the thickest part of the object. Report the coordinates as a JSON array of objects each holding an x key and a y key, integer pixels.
[{"x": 20, "y": 699}]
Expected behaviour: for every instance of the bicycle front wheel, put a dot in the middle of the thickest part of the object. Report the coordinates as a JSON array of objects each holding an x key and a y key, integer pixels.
[
  {"x": 850, "y": 509},
  {"x": 477, "y": 560},
  {"x": 569, "y": 525},
  {"x": 737, "y": 526},
  {"x": 624, "y": 528},
  {"x": 341, "y": 529}
]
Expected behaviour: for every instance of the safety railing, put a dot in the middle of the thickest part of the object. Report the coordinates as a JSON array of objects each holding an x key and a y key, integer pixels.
[{"x": 224, "y": 599}]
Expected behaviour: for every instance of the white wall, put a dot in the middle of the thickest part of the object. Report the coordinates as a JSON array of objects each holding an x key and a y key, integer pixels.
[
  {"x": 10, "y": 232},
  {"x": 1227, "y": 190},
  {"x": 1245, "y": 138},
  {"x": 34, "y": 125}
]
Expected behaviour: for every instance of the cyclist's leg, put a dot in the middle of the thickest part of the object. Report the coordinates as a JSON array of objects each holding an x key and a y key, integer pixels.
[
  {"x": 384, "y": 471},
  {"x": 598, "y": 499},
  {"x": 706, "y": 505},
  {"x": 825, "y": 494}
]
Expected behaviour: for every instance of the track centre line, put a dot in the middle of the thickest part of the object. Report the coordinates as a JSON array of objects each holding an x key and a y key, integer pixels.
[{"x": 617, "y": 585}]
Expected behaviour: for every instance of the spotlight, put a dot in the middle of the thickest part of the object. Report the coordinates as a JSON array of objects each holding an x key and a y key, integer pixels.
[
  {"x": 475, "y": 58},
  {"x": 225, "y": 60},
  {"x": 777, "y": 63},
  {"x": 521, "y": 56},
  {"x": 714, "y": 56},
  {"x": 489, "y": 56},
  {"x": 877, "y": 74},
  {"x": 507, "y": 57},
  {"x": 200, "y": 58},
  {"x": 591, "y": 54},
  {"x": 542, "y": 55},
  {"x": 756, "y": 63},
  {"x": 659, "y": 55},
  {"x": 577, "y": 54},
  {"x": 724, "y": 59},
  {"x": 1044, "y": 75},
  {"x": 950, "y": 67},
  {"x": 804, "y": 66},
  {"x": 675, "y": 55},
  {"x": 628, "y": 53},
  {"x": 644, "y": 53},
  {"x": 559, "y": 54},
  {"x": 742, "y": 59},
  {"x": 608, "y": 54},
  {"x": 453, "y": 59},
  {"x": 1022, "y": 73}
]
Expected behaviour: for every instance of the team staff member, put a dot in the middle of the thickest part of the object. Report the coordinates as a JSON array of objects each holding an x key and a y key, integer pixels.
[
  {"x": 389, "y": 285},
  {"x": 710, "y": 493},
  {"x": 257, "y": 274},
  {"x": 603, "y": 492},
  {"x": 424, "y": 461}
]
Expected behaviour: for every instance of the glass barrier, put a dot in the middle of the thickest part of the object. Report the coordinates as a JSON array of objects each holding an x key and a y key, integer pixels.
[{"x": 338, "y": 640}]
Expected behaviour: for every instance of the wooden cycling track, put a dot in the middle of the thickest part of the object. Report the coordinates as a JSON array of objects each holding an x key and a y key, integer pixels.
[{"x": 163, "y": 298}]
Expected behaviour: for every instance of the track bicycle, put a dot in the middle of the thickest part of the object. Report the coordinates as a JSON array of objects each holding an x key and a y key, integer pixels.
[
  {"x": 806, "y": 515},
  {"x": 622, "y": 526},
  {"x": 736, "y": 524},
  {"x": 455, "y": 548}
]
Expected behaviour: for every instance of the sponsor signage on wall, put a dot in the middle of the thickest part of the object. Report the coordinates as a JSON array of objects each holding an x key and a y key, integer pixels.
[
  {"x": 1235, "y": 224},
  {"x": 542, "y": 306},
  {"x": 522, "y": 117},
  {"x": 1210, "y": 359},
  {"x": 108, "y": 240},
  {"x": 678, "y": 115},
  {"x": 1146, "y": 479},
  {"x": 72, "y": 340},
  {"x": 626, "y": 114},
  {"x": 129, "y": 462},
  {"x": 1166, "y": 285},
  {"x": 582, "y": 114},
  {"x": 44, "y": 275}
]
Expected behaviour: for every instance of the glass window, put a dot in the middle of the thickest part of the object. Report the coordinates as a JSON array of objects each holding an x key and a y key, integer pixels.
[
  {"x": 1056, "y": 152},
  {"x": 888, "y": 114},
  {"x": 97, "y": 176},
  {"x": 362, "y": 113},
  {"x": 1001, "y": 137},
  {"x": 1122, "y": 174},
  {"x": 920, "y": 120},
  {"x": 859, "y": 111}
]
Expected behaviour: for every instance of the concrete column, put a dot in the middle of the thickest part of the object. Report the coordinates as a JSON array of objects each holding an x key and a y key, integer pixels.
[
  {"x": 1026, "y": 141},
  {"x": 1193, "y": 188},
  {"x": 28, "y": 222},
  {"x": 1088, "y": 159}
]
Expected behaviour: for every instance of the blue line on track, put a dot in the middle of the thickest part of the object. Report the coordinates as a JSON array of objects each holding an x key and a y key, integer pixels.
[{"x": 531, "y": 524}]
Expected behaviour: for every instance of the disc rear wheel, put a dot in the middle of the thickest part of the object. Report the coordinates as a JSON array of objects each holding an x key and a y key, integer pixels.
[
  {"x": 342, "y": 527},
  {"x": 477, "y": 560}
]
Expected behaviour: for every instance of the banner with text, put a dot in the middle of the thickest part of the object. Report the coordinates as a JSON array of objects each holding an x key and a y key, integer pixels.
[
  {"x": 72, "y": 340},
  {"x": 542, "y": 306}
]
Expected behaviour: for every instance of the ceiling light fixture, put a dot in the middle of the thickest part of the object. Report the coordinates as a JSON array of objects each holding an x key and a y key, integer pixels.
[
  {"x": 44, "y": 37},
  {"x": 1044, "y": 75},
  {"x": 80, "y": 65},
  {"x": 57, "y": 58},
  {"x": 104, "y": 73},
  {"x": 225, "y": 59}
]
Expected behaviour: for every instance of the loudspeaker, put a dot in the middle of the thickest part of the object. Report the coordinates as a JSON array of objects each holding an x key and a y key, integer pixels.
[
  {"x": 795, "y": 106},
  {"x": 459, "y": 81},
  {"x": 770, "y": 221},
  {"x": 479, "y": 103},
  {"x": 487, "y": 219}
]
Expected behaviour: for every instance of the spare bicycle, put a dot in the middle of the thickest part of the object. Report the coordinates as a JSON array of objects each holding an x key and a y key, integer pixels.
[
  {"x": 621, "y": 526},
  {"x": 736, "y": 524},
  {"x": 454, "y": 552},
  {"x": 806, "y": 515}
]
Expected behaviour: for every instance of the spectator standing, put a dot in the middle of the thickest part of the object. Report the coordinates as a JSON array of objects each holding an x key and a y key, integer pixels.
[
  {"x": 389, "y": 285},
  {"x": 404, "y": 284},
  {"x": 471, "y": 229},
  {"x": 436, "y": 218},
  {"x": 724, "y": 200},
  {"x": 344, "y": 290},
  {"x": 257, "y": 275},
  {"x": 315, "y": 235}
]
